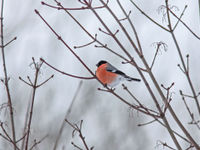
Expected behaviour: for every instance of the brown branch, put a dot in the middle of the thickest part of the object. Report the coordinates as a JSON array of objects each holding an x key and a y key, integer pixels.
[
  {"x": 141, "y": 74},
  {"x": 159, "y": 45},
  {"x": 76, "y": 54},
  {"x": 7, "y": 137},
  {"x": 37, "y": 69},
  {"x": 132, "y": 26},
  {"x": 37, "y": 142},
  {"x": 25, "y": 125},
  {"x": 76, "y": 146},
  {"x": 105, "y": 32},
  {"x": 34, "y": 86},
  {"x": 6, "y": 79},
  {"x": 140, "y": 104},
  {"x": 132, "y": 63},
  {"x": 149, "y": 17},
  {"x": 164, "y": 144},
  {"x": 74, "y": 76},
  {"x": 125, "y": 18},
  {"x": 30, "y": 84},
  {"x": 193, "y": 121},
  {"x": 9, "y": 42},
  {"x": 168, "y": 95},
  {"x": 23, "y": 137},
  {"x": 141, "y": 56},
  {"x": 129, "y": 104},
  {"x": 147, "y": 123},
  {"x": 123, "y": 29},
  {"x": 60, "y": 38},
  {"x": 78, "y": 129},
  {"x": 93, "y": 41},
  {"x": 179, "y": 18},
  {"x": 155, "y": 118},
  {"x": 45, "y": 81},
  {"x": 91, "y": 36},
  {"x": 79, "y": 8},
  {"x": 188, "y": 78}
]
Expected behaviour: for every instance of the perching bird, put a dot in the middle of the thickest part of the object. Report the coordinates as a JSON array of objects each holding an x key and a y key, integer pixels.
[{"x": 111, "y": 76}]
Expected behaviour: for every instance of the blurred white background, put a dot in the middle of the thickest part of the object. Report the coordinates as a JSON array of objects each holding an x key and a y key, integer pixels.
[{"x": 107, "y": 123}]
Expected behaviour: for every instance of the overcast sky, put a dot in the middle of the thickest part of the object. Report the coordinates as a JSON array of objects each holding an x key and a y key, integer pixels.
[{"x": 108, "y": 123}]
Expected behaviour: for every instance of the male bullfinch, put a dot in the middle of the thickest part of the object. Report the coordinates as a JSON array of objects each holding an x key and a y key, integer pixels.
[{"x": 109, "y": 75}]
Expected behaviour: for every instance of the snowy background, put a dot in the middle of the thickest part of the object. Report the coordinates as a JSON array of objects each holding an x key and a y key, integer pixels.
[{"x": 107, "y": 123}]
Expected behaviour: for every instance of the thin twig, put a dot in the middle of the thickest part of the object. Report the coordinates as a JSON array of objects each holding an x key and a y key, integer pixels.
[
  {"x": 7, "y": 137},
  {"x": 76, "y": 146},
  {"x": 6, "y": 79},
  {"x": 37, "y": 142},
  {"x": 182, "y": 60},
  {"x": 183, "y": 23},
  {"x": 74, "y": 76},
  {"x": 159, "y": 45},
  {"x": 37, "y": 69},
  {"x": 189, "y": 111},
  {"x": 129, "y": 104},
  {"x": 44, "y": 81},
  {"x": 10, "y": 41},
  {"x": 189, "y": 80},
  {"x": 67, "y": 46},
  {"x": 78, "y": 8},
  {"x": 164, "y": 144},
  {"x": 180, "y": 17},
  {"x": 78, "y": 129},
  {"x": 25, "y": 125},
  {"x": 147, "y": 123},
  {"x": 94, "y": 40},
  {"x": 140, "y": 104},
  {"x": 131, "y": 24},
  {"x": 20, "y": 78},
  {"x": 21, "y": 138},
  {"x": 149, "y": 17},
  {"x": 91, "y": 36}
]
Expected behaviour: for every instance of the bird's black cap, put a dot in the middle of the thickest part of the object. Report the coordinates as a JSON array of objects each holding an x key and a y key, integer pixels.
[{"x": 101, "y": 63}]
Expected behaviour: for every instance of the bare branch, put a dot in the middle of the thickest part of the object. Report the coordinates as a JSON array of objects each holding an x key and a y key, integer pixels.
[
  {"x": 76, "y": 146},
  {"x": 159, "y": 46},
  {"x": 74, "y": 76},
  {"x": 78, "y": 129},
  {"x": 34, "y": 86},
  {"x": 180, "y": 17},
  {"x": 88, "y": 5},
  {"x": 25, "y": 81},
  {"x": 60, "y": 38},
  {"x": 164, "y": 144},
  {"x": 147, "y": 123},
  {"x": 94, "y": 40},
  {"x": 37, "y": 142},
  {"x": 193, "y": 121},
  {"x": 6, "y": 78},
  {"x": 149, "y": 17},
  {"x": 188, "y": 78},
  {"x": 9, "y": 42},
  {"x": 45, "y": 81}
]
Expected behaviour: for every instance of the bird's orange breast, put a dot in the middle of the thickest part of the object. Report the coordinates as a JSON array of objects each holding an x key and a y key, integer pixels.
[{"x": 105, "y": 76}]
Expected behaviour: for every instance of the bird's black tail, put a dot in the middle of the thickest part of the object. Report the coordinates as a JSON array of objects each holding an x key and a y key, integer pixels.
[{"x": 131, "y": 79}]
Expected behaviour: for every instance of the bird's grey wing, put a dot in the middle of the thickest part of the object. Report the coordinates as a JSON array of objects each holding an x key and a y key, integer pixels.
[{"x": 111, "y": 68}]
